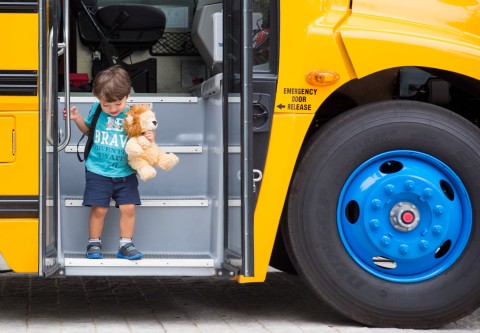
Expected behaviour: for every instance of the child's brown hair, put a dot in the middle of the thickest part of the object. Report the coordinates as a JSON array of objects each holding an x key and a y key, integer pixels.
[{"x": 112, "y": 84}]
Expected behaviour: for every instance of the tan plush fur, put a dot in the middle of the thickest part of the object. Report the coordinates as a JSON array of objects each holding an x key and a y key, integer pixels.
[{"x": 143, "y": 155}]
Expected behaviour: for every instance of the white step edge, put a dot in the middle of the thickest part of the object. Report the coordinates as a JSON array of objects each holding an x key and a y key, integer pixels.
[
  {"x": 155, "y": 203},
  {"x": 167, "y": 149},
  {"x": 151, "y": 202},
  {"x": 135, "y": 99},
  {"x": 145, "y": 262}
]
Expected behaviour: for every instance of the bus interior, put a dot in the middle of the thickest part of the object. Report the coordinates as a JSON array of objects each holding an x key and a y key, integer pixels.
[{"x": 189, "y": 222}]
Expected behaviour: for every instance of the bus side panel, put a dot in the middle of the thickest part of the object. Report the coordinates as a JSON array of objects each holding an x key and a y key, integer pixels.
[
  {"x": 19, "y": 135},
  {"x": 286, "y": 147},
  {"x": 19, "y": 106},
  {"x": 19, "y": 178},
  {"x": 19, "y": 40},
  {"x": 19, "y": 153},
  {"x": 19, "y": 244}
]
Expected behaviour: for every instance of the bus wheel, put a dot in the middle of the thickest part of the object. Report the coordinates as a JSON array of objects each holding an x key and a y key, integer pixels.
[{"x": 382, "y": 215}]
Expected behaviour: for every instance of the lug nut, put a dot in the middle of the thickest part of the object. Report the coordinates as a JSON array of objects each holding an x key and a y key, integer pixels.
[
  {"x": 438, "y": 210},
  {"x": 423, "y": 244},
  {"x": 409, "y": 184},
  {"x": 386, "y": 241},
  {"x": 427, "y": 193},
  {"x": 376, "y": 204},
  {"x": 389, "y": 189},
  {"x": 437, "y": 230}
]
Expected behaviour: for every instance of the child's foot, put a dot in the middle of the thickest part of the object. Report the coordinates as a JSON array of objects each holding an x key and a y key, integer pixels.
[
  {"x": 130, "y": 252},
  {"x": 94, "y": 250}
]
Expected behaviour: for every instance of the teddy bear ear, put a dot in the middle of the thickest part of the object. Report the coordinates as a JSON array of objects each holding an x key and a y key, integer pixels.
[{"x": 129, "y": 119}]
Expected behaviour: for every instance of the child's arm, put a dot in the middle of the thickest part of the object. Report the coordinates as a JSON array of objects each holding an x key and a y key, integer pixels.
[
  {"x": 150, "y": 135},
  {"x": 78, "y": 119}
]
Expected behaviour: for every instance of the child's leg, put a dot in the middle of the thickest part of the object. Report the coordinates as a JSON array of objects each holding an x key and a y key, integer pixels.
[
  {"x": 127, "y": 220},
  {"x": 97, "y": 219},
  {"x": 127, "y": 225},
  {"x": 127, "y": 197}
]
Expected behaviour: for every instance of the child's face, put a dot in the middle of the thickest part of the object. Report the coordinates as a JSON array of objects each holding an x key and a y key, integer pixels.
[{"x": 113, "y": 108}]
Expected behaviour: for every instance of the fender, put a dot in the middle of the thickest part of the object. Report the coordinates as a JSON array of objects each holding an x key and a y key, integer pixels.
[{"x": 444, "y": 34}]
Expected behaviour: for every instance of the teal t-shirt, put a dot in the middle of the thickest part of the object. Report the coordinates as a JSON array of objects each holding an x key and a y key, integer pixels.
[{"x": 107, "y": 156}]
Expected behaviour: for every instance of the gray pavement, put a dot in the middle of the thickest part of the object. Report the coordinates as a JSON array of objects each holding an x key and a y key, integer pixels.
[{"x": 150, "y": 304}]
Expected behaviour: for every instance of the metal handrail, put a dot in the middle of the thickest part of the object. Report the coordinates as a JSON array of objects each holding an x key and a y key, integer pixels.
[{"x": 64, "y": 49}]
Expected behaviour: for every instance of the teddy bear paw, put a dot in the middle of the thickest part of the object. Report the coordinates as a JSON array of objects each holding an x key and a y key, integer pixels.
[
  {"x": 147, "y": 172},
  {"x": 168, "y": 161}
]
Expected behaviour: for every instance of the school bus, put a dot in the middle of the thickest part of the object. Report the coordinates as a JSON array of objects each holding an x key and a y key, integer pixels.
[{"x": 337, "y": 140}]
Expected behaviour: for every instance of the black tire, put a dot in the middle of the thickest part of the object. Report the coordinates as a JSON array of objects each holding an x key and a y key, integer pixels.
[{"x": 320, "y": 255}]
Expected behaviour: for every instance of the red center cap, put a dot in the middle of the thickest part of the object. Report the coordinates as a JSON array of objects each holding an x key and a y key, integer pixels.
[{"x": 408, "y": 217}]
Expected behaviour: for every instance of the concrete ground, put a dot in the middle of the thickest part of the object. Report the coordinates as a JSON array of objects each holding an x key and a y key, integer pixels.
[{"x": 174, "y": 305}]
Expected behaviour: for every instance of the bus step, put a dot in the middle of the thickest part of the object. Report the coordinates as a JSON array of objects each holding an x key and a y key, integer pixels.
[
  {"x": 149, "y": 260},
  {"x": 153, "y": 202}
]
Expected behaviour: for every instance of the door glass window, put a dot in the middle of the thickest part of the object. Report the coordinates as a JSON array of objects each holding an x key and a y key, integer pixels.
[{"x": 261, "y": 34}]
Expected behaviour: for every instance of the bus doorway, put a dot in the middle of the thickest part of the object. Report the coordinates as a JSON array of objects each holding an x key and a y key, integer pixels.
[{"x": 195, "y": 220}]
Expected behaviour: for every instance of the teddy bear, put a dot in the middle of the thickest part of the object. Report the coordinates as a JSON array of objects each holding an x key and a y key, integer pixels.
[{"x": 142, "y": 154}]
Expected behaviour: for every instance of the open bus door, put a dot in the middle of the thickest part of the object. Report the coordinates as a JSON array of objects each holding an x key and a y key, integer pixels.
[
  {"x": 237, "y": 22},
  {"x": 52, "y": 140},
  {"x": 231, "y": 221}
]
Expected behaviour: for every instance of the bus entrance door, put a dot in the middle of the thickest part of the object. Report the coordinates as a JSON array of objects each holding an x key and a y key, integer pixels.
[
  {"x": 238, "y": 105},
  {"x": 52, "y": 138}
]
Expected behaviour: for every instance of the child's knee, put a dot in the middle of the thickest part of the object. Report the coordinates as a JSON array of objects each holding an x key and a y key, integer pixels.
[
  {"x": 128, "y": 210},
  {"x": 99, "y": 211}
]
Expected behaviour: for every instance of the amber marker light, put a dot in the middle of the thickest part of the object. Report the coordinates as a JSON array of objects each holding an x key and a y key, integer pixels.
[{"x": 322, "y": 78}]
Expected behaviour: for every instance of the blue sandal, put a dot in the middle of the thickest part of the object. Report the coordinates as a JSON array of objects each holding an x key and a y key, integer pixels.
[
  {"x": 130, "y": 252},
  {"x": 94, "y": 250}
]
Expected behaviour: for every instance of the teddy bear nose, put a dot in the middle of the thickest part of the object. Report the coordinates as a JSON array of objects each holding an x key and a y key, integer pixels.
[{"x": 155, "y": 122}]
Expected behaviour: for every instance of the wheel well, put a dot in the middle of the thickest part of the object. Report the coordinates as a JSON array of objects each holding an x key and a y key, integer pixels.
[{"x": 453, "y": 91}]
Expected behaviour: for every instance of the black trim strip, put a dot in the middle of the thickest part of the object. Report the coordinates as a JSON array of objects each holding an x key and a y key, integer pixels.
[
  {"x": 19, "y": 206},
  {"x": 18, "y": 6},
  {"x": 18, "y": 83}
]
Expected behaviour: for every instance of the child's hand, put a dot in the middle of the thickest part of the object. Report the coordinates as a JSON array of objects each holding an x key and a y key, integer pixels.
[
  {"x": 73, "y": 113},
  {"x": 150, "y": 135}
]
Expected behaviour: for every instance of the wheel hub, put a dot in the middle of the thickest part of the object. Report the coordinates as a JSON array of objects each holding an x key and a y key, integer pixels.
[{"x": 404, "y": 216}]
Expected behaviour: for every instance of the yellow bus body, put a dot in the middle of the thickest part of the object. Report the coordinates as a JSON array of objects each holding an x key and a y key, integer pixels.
[{"x": 19, "y": 130}]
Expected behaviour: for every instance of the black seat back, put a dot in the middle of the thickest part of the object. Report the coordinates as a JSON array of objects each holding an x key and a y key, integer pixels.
[
  {"x": 115, "y": 32},
  {"x": 125, "y": 26}
]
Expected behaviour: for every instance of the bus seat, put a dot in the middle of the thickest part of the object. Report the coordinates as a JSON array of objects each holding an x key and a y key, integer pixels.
[
  {"x": 131, "y": 26},
  {"x": 116, "y": 31}
]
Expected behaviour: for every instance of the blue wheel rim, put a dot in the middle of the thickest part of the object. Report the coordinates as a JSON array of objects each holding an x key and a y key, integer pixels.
[{"x": 404, "y": 216}]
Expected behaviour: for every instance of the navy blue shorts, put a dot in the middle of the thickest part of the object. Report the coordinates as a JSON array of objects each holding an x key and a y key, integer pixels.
[{"x": 99, "y": 190}]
